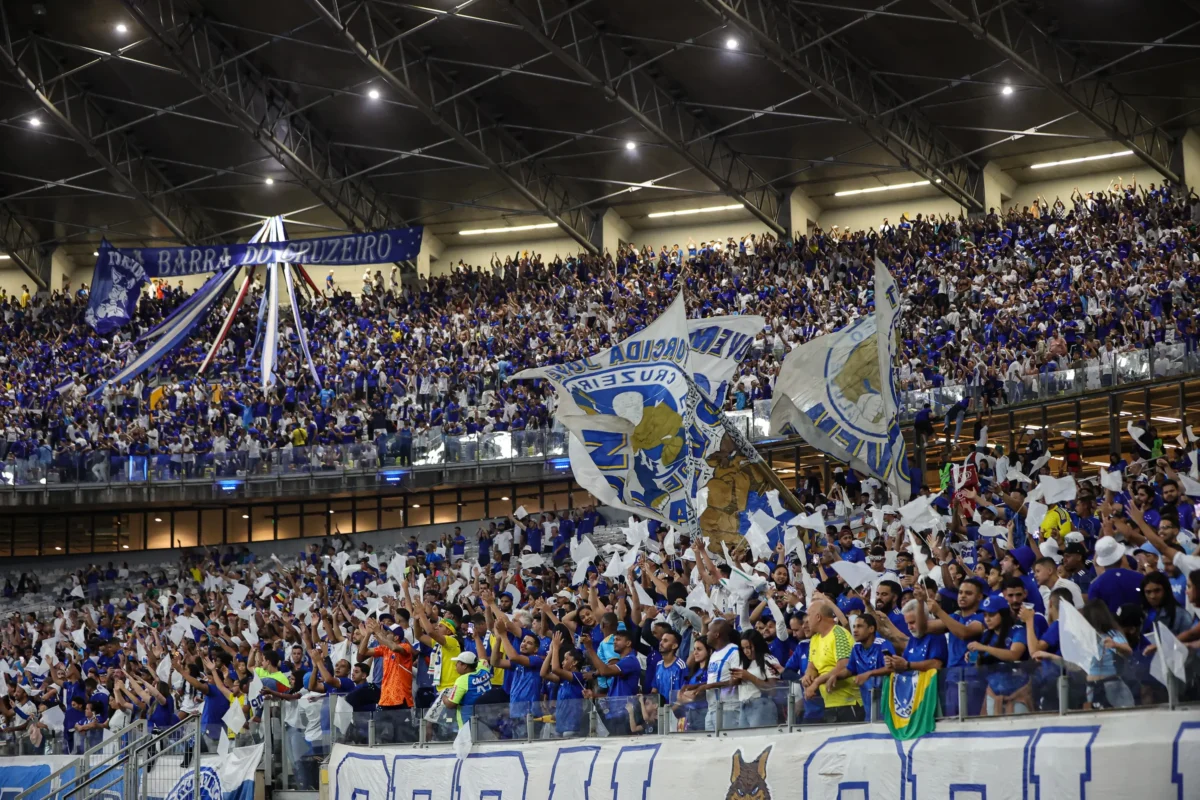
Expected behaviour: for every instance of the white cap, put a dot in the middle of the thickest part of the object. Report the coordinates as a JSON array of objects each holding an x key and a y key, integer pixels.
[
  {"x": 466, "y": 657},
  {"x": 1073, "y": 536},
  {"x": 1108, "y": 551}
]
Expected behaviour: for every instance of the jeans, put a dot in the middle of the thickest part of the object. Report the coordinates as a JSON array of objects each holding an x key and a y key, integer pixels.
[{"x": 759, "y": 712}]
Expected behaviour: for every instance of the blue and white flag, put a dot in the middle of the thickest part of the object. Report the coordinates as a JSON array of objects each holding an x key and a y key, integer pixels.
[
  {"x": 116, "y": 287},
  {"x": 838, "y": 392},
  {"x": 627, "y": 406}
]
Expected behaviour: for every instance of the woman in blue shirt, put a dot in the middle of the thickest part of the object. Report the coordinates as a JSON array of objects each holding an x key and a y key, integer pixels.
[
  {"x": 692, "y": 705},
  {"x": 996, "y": 652},
  {"x": 563, "y": 668}
]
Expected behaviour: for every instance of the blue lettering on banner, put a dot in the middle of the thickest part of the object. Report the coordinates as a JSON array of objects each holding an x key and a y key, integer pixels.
[
  {"x": 355, "y": 249},
  {"x": 1185, "y": 769},
  {"x": 631, "y": 780},
  {"x": 1048, "y": 763},
  {"x": 1003, "y": 762},
  {"x": 575, "y": 782},
  {"x": 880, "y": 758},
  {"x": 1066, "y": 763}
]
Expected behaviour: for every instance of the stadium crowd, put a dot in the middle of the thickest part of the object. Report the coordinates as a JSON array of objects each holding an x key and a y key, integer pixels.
[
  {"x": 988, "y": 302},
  {"x": 546, "y": 620}
]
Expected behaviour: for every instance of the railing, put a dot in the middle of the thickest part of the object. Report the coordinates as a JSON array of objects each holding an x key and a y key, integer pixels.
[
  {"x": 95, "y": 760},
  {"x": 390, "y": 456},
  {"x": 1031, "y": 686}
]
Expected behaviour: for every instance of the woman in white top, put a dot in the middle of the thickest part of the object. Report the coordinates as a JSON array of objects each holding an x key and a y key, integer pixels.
[{"x": 755, "y": 676}]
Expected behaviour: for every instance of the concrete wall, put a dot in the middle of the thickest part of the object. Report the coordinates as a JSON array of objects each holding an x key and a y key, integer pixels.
[
  {"x": 861, "y": 218},
  {"x": 699, "y": 231},
  {"x": 1052, "y": 187},
  {"x": 460, "y": 248}
]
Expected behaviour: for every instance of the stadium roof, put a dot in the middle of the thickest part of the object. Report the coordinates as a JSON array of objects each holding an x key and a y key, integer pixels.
[{"x": 164, "y": 121}]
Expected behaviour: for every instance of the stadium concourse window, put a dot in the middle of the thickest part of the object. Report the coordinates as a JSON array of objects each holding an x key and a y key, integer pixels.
[
  {"x": 393, "y": 511},
  {"x": 316, "y": 520},
  {"x": 420, "y": 508},
  {"x": 262, "y": 523},
  {"x": 158, "y": 530},
  {"x": 212, "y": 526},
  {"x": 186, "y": 528},
  {"x": 237, "y": 525},
  {"x": 473, "y": 506},
  {"x": 445, "y": 507},
  {"x": 288, "y": 526},
  {"x": 341, "y": 517},
  {"x": 366, "y": 514},
  {"x": 500, "y": 501}
]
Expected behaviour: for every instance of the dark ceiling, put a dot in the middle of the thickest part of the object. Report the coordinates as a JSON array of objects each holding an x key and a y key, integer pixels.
[{"x": 157, "y": 86}]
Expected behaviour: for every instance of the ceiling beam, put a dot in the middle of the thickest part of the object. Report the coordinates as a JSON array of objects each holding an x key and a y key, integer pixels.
[
  {"x": 1011, "y": 33},
  {"x": 19, "y": 242},
  {"x": 243, "y": 92},
  {"x": 69, "y": 107},
  {"x": 422, "y": 84},
  {"x": 799, "y": 46},
  {"x": 624, "y": 78}
]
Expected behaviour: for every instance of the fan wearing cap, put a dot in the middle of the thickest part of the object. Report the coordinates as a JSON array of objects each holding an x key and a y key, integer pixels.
[
  {"x": 472, "y": 681},
  {"x": 1115, "y": 584},
  {"x": 1074, "y": 563},
  {"x": 1002, "y": 644},
  {"x": 1018, "y": 563},
  {"x": 626, "y": 675}
]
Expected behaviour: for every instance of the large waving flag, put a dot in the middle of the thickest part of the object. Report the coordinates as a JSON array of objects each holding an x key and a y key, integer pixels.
[
  {"x": 627, "y": 406},
  {"x": 839, "y": 393},
  {"x": 909, "y": 703},
  {"x": 649, "y": 435}
]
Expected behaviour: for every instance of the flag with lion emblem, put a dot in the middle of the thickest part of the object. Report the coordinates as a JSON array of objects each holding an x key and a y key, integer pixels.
[{"x": 838, "y": 392}]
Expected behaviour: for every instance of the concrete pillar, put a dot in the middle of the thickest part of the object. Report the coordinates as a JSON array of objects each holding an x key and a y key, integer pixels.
[
  {"x": 431, "y": 250},
  {"x": 63, "y": 266},
  {"x": 615, "y": 231},
  {"x": 1189, "y": 149},
  {"x": 998, "y": 188},
  {"x": 804, "y": 212}
]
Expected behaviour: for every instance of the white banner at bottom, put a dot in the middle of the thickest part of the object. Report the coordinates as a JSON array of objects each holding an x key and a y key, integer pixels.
[{"x": 1146, "y": 754}]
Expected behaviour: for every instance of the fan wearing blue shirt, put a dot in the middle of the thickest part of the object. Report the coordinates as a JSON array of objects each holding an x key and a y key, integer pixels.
[
  {"x": 626, "y": 675},
  {"x": 868, "y": 662},
  {"x": 525, "y": 666},
  {"x": 1002, "y": 644},
  {"x": 925, "y": 650},
  {"x": 846, "y": 548},
  {"x": 1114, "y": 584},
  {"x": 962, "y": 627},
  {"x": 216, "y": 704},
  {"x": 563, "y": 667},
  {"x": 671, "y": 673}
]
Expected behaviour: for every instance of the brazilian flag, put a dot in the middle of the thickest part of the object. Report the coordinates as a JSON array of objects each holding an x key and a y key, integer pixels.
[{"x": 909, "y": 703}]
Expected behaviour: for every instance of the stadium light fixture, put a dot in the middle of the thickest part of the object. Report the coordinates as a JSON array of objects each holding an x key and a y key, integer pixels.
[
  {"x": 888, "y": 188},
  {"x": 4, "y": 256},
  {"x": 731, "y": 44},
  {"x": 373, "y": 94},
  {"x": 504, "y": 498},
  {"x": 1066, "y": 161},
  {"x": 122, "y": 28},
  {"x": 689, "y": 211},
  {"x": 1006, "y": 91},
  {"x": 34, "y": 122},
  {"x": 631, "y": 145},
  {"x": 269, "y": 181},
  {"x": 513, "y": 229}
]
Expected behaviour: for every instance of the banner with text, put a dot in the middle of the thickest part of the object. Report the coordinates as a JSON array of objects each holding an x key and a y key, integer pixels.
[
  {"x": 120, "y": 273},
  {"x": 1134, "y": 754}
]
